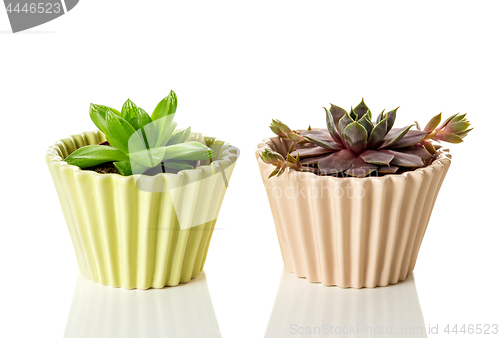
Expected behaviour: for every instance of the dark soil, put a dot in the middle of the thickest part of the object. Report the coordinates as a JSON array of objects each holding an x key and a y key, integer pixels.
[
  {"x": 105, "y": 168},
  {"x": 109, "y": 168}
]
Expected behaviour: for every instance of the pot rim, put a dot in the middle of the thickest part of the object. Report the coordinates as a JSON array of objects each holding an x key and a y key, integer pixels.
[
  {"x": 229, "y": 153},
  {"x": 444, "y": 155}
]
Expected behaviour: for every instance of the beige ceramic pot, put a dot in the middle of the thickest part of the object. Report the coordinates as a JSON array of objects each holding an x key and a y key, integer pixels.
[{"x": 351, "y": 232}]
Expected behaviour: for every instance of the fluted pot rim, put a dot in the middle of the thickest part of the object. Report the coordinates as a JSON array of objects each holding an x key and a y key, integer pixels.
[
  {"x": 444, "y": 155},
  {"x": 52, "y": 157}
]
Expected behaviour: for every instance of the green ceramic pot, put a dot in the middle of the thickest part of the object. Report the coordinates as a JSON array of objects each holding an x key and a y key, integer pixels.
[{"x": 131, "y": 237}]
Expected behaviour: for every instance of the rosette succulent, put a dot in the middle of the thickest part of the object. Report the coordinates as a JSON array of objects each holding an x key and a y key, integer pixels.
[
  {"x": 355, "y": 145},
  {"x": 137, "y": 143}
]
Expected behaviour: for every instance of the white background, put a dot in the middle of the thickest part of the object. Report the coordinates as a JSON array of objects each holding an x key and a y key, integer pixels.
[{"x": 235, "y": 66}]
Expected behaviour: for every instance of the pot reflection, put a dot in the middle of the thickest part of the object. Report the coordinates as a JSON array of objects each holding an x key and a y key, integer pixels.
[
  {"x": 183, "y": 311},
  {"x": 303, "y": 309}
]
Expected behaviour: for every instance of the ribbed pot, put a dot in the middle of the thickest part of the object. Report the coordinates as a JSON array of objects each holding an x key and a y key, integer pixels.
[
  {"x": 352, "y": 232},
  {"x": 128, "y": 237}
]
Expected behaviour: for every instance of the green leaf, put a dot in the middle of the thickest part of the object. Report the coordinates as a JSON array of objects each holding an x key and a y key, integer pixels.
[
  {"x": 124, "y": 168},
  {"x": 457, "y": 127},
  {"x": 179, "y": 137},
  {"x": 377, "y": 134},
  {"x": 458, "y": 117},
  {"x": 274, "y": 173},
  {"x": 448, "y": 137},
  {"x": 464, "y": 133},
  {"x": 188, "y": 151},
  {"x": 361, "y": 109},
  {"x": 177, "y": 165},
  {"x": 119, "y": 131},
  {"x": 355, "y": 137},
  {"x": 429, "y": 147},
  {"x": 129, "y": 111},
  {"x": 98, "y": 116},
  {"x": 433, "y": 123},
  {"x": 393, "y": 136},
  {"x": 165, "y": 107},
  {"x": 148, "y": 157},
  {"x": 89, "y": 156},
  {"x": 447, "y": 121},
  {"x": 140, "y": 119},
  {"x": 164, "y": 127}
]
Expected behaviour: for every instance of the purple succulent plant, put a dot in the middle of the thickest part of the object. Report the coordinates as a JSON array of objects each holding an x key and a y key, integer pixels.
[{"x": 353, "y": 145}]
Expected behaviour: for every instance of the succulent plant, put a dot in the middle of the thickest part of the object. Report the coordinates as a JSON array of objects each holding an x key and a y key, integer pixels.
[
  {"x": 354, "y": 145},
  {"x": 139, "y": 142}
]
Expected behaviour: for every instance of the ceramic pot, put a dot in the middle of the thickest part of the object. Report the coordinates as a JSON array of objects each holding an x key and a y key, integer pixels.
[
  {"x": 140, "y": 231},
  {"x": 351, "y": 232}
]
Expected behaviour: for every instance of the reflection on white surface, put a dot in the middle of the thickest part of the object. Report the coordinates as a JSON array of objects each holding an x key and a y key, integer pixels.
[
  {"x": 183, "y": 311},
  {"x": 304, "y": 309}
]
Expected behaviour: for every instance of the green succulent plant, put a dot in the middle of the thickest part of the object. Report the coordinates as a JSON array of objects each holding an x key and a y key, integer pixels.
[
  {"x": 354, "y": 145},
  {"x": 139, "y": 142}
]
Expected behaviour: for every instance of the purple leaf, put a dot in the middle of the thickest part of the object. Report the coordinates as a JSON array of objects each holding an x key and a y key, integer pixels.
[
  {"x": 366, "y": 123},
  {"x": 411, "y": 138},
  {"x": 404, "y": 160},
  {"x": 387, "y": 170},
  {"x": 337, "y": 162},
  {"x": 377, "y": 134},
  {"x": 380, "y": 117},
  {"x": 355, "y": 137},
  {"x": 360, "y": 168},
  {"x": 361, "y": 109},
  {"x": 329, "y": 144},
  {"x": 332, "y": 126},
  {"x": 420, "y": 151},
  {"x": 337, "y": 113},
  {"x": 344, "y": 121},
  {"x": 376, "y": 157},
  {"x": 391, "y": 118},
  {"x": 310, "y": 152},
  {"x": 313, "y": 160},
  {"x": 323, "y": 133},
  {"x": 393, "y": 136}
]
